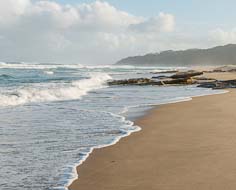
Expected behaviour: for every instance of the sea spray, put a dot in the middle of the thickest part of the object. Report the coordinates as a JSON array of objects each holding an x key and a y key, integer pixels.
[{"x": 54, "y": 92}]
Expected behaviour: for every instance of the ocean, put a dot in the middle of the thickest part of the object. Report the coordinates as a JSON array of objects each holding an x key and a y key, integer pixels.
[{"x": 52, "y": 116}]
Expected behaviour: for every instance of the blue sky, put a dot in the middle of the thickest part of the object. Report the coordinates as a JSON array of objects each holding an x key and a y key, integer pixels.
[{"x": 211, "y": 13}]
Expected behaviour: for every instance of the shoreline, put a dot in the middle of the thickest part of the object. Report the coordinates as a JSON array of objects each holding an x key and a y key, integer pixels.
[
  {"x": 83, "y": 160},
  {"x": 139, "y": 128}
]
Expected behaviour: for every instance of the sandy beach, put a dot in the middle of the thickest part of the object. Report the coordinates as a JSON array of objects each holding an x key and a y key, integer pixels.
[
  {"x": 117, "y": 95},
  {"x": 182, "y": 146}
]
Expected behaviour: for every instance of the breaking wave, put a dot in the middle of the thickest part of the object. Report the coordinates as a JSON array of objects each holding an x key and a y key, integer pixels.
[
  {"x": 48, "y": 72},
  {"x": 41, "y": 66},
  {"x": 37, "y": 66},
  {"x": 53, "y": 92}
]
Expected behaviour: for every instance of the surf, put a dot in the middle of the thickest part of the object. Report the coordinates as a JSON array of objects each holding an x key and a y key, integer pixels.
[{"x": 54, "y": 91}]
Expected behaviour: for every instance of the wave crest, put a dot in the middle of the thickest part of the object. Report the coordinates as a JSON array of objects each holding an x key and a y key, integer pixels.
[{"x": 54, "y": 92}]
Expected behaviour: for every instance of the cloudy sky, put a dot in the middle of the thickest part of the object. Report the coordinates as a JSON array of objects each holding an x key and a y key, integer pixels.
[{"x": 102, "y": 32}]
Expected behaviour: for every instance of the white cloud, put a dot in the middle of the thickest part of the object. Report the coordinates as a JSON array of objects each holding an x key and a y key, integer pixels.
[
  {"x": 222, "y": 36},
  {"x": 49, "y": 31},
  {"x": 102, "y": 14},
  {"x": 167, "y": 22},
  {"x": 12, "y": 9},
  {"x": 59, "y": 16},
  {"x": 161, "y": 23}
]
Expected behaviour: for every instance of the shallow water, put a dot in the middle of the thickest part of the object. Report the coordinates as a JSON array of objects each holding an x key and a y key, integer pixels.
[{"x": 53, "y": 115}]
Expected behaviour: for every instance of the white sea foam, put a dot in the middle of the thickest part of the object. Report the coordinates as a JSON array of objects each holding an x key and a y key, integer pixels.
[
  {"x": 49, "y": 72},
  {"x": 38, "y": 66},
  {"x": 23, "y": 65},
  {"x": 126, "y": 133},
  {"x": 53, "y": 92}
]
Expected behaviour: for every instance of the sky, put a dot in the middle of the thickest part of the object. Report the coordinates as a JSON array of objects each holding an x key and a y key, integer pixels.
[
  {"x": 102, "y": 32},
  {"x": 205, "y": 11}
]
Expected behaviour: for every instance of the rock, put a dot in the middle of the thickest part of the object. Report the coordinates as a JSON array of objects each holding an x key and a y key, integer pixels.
[
  {"x": 147, "y": 81},
  {"x": 180, "y": 78},
  {"x": 160, "y": 77},
  {"x": 218, "y": 71},
  {"x": 164, "y": 72},
  {"x": 187, "y": 74},
  {"x": 203, "y": 79},
  {"x": 136, "y": 81},
  {"x": 219, "y": 84},
  {"x": 208, "y": 85},
  {"x": 175, "y": 81}
]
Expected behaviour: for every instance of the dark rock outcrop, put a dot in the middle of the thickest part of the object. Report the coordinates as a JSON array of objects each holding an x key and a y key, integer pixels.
[
  {"x": 204, "y": 79},
  {"x": 179, "y": 81},
  {"x": 202, "y": 82},
  {"x": 160, "y": 77},
  {"x": 180, "y": 78},
  {"x": 146, "y": 81},
  {"x": 187, "y": 74},
  {"x": 164, "y": 72},
  {"x": 219, "y": 84},
  {"x": 135, "y": 81}
]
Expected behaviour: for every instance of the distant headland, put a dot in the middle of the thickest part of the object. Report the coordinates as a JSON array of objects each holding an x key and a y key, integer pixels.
[{"x": 220, "y": 55}]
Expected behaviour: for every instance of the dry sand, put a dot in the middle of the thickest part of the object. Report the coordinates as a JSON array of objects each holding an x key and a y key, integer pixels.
[
  {"x": 216, "y": 75},
  {"x": 183, "y": 146},
  {"x": 221, "y": 76}
]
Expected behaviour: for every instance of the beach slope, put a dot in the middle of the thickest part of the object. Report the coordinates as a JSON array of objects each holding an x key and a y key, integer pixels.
[{"x": 183, "y": 146}]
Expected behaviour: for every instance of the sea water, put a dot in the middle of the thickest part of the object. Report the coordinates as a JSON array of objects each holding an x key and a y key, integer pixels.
[{"x": 52, "y": 116}]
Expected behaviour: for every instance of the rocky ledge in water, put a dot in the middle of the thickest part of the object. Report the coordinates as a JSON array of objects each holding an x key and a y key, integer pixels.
[
  {"x": 165, "y": 72},
  {"x": 147, "y": 81},
  {"x": 179, "y": 78},
  {"x": 219, "y": 84},
  {"x": 186, "y": 75}
]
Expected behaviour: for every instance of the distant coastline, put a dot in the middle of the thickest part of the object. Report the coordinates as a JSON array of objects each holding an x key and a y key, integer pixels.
[{"x": 220, "y": 55}]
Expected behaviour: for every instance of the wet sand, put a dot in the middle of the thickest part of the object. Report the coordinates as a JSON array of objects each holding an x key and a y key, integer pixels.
[{"x": 182, "y": 146}]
